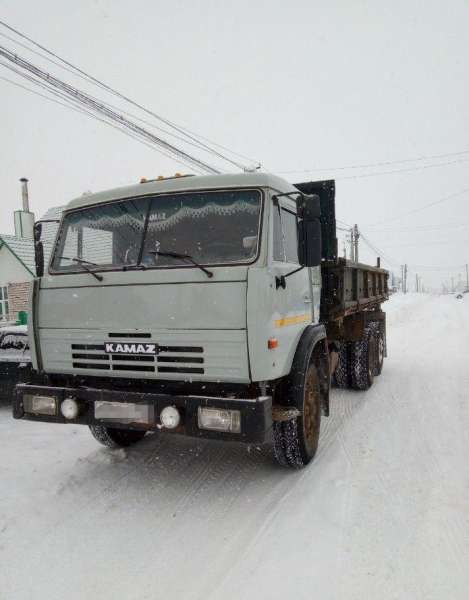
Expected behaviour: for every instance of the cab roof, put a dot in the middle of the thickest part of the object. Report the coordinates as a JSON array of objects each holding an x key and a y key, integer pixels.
[{"x": 184, "y": 183}]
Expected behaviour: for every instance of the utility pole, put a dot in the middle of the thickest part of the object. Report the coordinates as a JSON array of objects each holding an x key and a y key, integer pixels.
[
  {"x": 416, "y": 282},
  {"x": 405, "y": 279},
  {"x": 352, "y": 257},
  {"x": 356, "y": 236}
]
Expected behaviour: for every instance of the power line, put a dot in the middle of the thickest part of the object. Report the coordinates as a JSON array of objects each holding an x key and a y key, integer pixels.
[
  {"x": 378, "y": 164},
  {"x": 426, "y": 243},
  {"x": 424, "y": 229},
  {"x": 87, "y": 113},
  {"x": 393, "y": 171},
  {"x": 85, "y": 99},
  {"x": 378, "y": 251},
  {"x": 184, "y": 131},
  {"x": 424, "y": 207},
  {"x": 412, "y": 267},
  {"x": 407, "y": 170},
  {"x": 70, "y": 104},
  {"x": 113, "y": 106}
]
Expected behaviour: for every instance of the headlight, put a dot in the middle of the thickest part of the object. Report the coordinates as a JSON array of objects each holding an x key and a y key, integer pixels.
[
  {"x": 220, "y": 420},
  {"x": 170, "y": 417},
  {"x": 41, "y": 405}
]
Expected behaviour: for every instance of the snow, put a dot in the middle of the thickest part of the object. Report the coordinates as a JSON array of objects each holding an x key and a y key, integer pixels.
[
  {"x": 14, "y": 345},
  {"x": 381, "y": 513}
]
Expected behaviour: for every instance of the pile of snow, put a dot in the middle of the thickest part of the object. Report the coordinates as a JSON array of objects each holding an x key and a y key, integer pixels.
[{"x": 14, "y": 346}]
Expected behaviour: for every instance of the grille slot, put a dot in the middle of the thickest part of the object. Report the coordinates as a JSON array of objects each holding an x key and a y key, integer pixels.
[
  {"x": 131, "y": 357},
  {"x": 133, "y": 368},
  {"x": 103, "y": 366},
  {"x": 180, "y": 349},
  {"x": 180, "y": 359},
  {"x": 180, "y": 370},
  {"x": 88, "y": 347},
  {"x": 129, "y": 335},
  {"x": 91, "y": 356}
]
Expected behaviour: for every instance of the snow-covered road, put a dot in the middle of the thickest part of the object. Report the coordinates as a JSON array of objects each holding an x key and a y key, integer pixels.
[{"x": 383, "y": 512}]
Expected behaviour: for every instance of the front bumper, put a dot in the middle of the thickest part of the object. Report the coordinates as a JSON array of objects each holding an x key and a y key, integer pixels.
[{"x": 256, "y": 413}]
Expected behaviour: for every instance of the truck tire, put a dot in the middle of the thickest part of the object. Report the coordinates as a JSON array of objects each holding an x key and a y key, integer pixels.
[
  {"x": 363, "y": 360},
  {"x": 296, "y": 440},
  {"x": 341, "y": 376},
  {"x": 380, "y": 351},
  {"x": 116, "y": 438}
]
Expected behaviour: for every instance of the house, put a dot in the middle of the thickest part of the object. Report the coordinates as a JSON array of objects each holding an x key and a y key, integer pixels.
[{"x": 17, "y": 265}]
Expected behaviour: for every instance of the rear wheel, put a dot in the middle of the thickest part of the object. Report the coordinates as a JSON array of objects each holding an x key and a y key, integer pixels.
[
  {"x": 296, "y": 440},
  {"x": 116, "y": 438},
  {"x": 363, "y": 360},
  {"x": 341, "y": 376},
  {"x": 380, "y": 349}
]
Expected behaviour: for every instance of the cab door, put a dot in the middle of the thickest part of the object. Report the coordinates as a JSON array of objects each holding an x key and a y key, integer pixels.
[{"x": 293, "y": 304}]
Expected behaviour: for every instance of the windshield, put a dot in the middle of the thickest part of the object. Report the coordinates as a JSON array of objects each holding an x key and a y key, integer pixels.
[{"x": 210, "y": 227}]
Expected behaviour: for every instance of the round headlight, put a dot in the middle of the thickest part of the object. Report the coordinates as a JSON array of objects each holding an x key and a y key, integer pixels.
[
  {"x": 69, "y": 408},
  {"x": 170, "y": 417}
]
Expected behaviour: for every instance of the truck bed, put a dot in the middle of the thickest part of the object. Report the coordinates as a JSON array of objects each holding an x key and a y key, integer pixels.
[{"x": 350, "y": 287}]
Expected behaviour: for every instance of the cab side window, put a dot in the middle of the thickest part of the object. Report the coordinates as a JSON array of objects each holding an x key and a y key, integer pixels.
[{"x": 285, "y": 248}]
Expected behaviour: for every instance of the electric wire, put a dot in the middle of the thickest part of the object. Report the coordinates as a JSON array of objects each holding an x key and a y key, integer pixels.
[
  {"x": 133, "y": 115},
  {"x": 183, "y": 130},
  {"x": 83, "y": 111},
  {"x": 87, "y": 100},
  {"x": 378, "y": 164},
  {"x": 424, "y": 207}
]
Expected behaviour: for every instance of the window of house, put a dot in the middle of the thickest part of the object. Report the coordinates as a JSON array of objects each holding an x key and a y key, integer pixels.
[
  {"x": 4, "y": 306},
  {"x": 285, "y": 236}
]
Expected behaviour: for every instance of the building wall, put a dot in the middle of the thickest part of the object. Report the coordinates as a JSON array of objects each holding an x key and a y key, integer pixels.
[
  {"x": 18, "y": 296},
  {"x": 17, "y": 279}
]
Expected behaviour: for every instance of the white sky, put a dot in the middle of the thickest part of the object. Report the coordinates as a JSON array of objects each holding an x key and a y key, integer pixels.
[{"x": 298, "y": 85}]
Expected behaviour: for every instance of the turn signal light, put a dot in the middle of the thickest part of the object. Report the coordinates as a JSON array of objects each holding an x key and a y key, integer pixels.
[{"x": 272, "y": 343}]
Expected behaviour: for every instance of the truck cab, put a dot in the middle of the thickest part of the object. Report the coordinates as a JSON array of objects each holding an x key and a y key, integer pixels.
[{"x": 189, "y": 305}]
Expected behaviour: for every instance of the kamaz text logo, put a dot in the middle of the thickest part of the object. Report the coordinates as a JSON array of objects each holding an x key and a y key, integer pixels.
[{"x": 123, "y": 348}]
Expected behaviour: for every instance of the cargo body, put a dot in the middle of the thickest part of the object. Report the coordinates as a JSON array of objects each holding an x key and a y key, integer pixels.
[{"x": 208, "y": 306}]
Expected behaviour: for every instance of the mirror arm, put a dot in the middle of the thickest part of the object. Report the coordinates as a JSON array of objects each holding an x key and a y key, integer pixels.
[
  {"x": 275, "y": 197},
  {"x": 281, "y": 281}
]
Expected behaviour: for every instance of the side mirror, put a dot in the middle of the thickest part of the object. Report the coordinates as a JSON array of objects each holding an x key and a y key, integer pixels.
[
  {"x": 309, "y": 243},
  {"x": 39, "y": 258},
  {"x": 308, "y": 207},
  {"x": 37, "y": 231},
  {"x": 38, "y": 250},
  {"x": 309, "y": 230}
]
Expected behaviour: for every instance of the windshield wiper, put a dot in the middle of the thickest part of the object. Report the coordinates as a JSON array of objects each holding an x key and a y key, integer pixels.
[
  {"x": 183, "y": 257},
  {"x": 83, "y": 264}
]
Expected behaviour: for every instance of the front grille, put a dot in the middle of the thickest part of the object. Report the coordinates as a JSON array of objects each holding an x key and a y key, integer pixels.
[{"x": 170, "y": 359}]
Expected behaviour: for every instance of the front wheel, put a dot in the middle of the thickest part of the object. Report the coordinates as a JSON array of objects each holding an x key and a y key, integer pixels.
[
  {"x": 296, "y": 440},
  {"x": 116, "y": 438}
]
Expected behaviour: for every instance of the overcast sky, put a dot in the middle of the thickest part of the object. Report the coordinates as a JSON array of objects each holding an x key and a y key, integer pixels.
[{"x": 298, "y": 85}]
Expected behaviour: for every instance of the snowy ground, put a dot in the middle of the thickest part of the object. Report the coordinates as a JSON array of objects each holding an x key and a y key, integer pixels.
[{"x": 383, "y": 512}]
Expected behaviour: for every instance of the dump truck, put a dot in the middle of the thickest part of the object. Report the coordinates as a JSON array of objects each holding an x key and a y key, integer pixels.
[{"x": 209, "y": 306}]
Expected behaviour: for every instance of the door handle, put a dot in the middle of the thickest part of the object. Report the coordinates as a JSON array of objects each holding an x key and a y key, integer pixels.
[{"x": 307, "y": 300}]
